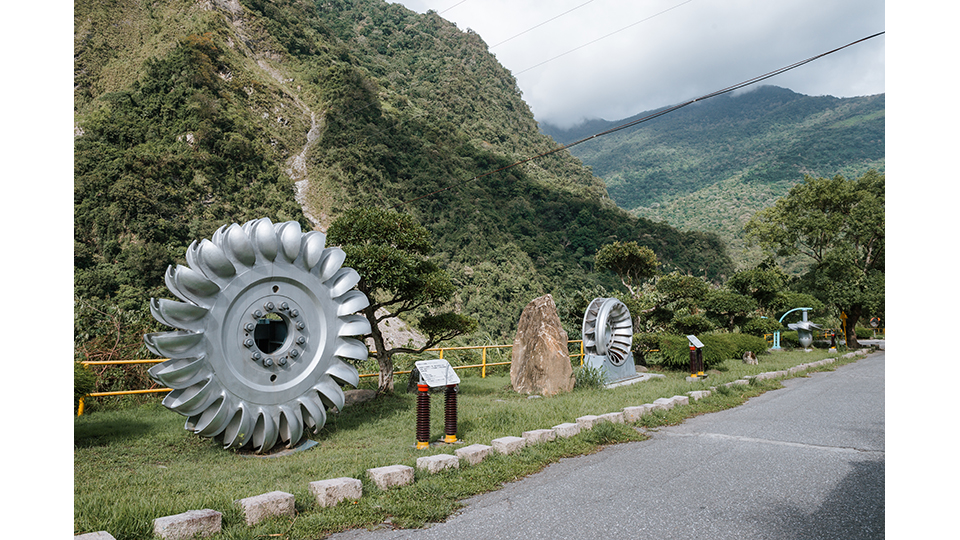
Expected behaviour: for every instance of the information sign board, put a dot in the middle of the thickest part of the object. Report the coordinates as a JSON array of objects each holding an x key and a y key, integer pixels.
[
  {"x": 437, "y": 373},
  {"x": 694, "y": 342}
]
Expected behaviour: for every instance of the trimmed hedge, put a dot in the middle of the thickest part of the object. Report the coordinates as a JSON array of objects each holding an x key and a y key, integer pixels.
[
  {"x": 675, "y": 350},
  {"x": 744, "y": 342},
  {"x": 759, "y": 327}
]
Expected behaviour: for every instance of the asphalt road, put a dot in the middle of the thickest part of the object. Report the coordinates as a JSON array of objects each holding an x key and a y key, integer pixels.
[{"x": 806, "y": 461}]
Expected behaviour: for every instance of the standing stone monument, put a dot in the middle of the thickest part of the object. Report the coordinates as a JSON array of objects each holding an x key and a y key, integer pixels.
[{"x": 539, "y": 363}]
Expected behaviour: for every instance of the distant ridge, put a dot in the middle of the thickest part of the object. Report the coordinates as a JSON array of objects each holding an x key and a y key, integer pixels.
[{"x": 748, "y": 147}]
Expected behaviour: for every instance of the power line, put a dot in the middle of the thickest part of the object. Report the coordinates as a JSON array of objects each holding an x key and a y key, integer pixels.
[
  {"x": 603, "y": 37},
  {"x": 541, "y": 24},
  {"x": 451, "y": 7},
  {"x": 647, "y": 118}
]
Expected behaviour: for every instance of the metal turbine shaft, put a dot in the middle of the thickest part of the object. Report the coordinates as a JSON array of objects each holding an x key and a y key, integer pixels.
[
  {"x": 267, "y": 315},
  {"x": 608, "y": 330}
]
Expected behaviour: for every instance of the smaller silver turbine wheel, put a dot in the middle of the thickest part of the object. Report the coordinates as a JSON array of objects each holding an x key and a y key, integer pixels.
[
  {"x": 267, "y": 315},
  {"x": 608, "y": 330}
]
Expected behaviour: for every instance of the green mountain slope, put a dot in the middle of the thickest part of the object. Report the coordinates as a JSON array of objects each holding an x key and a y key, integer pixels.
[
  {"x": 192, "y": 115},
  {"x": 712, "y": 165}
]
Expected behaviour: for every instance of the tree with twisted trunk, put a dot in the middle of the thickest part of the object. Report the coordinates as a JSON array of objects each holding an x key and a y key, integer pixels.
[{"x": 389, "y": 250}]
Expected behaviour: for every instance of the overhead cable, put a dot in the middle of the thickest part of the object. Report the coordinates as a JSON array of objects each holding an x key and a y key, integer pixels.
[
  {"x": 646, "y": 118},
  {"x": 451, "y": 7},
  {"x": 603, "y": 37},
  {"x": 541, "y": 24}
]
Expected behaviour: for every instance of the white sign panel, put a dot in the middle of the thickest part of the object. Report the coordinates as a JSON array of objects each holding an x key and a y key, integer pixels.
[
  {"x": 437, "y": 373},
  {"x": 695, "y": 342}
]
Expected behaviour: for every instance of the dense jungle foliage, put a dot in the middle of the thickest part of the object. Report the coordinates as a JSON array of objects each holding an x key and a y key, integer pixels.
[{"x": 194, "y": 115}]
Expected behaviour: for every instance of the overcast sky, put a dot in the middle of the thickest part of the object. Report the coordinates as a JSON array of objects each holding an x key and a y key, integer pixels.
[{"x": 610, "y": 59}]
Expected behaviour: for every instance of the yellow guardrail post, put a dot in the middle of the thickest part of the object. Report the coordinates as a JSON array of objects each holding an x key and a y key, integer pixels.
[{"x": 483, "y": 361}]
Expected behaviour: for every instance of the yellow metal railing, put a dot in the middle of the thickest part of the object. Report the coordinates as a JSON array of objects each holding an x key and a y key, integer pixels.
[{"x": 483, "y": 365}]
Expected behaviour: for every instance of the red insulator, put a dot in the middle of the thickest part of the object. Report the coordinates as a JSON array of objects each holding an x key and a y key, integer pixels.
[
  {"x": 450, "y": 412},
  {"x": 423, "y": 413}
]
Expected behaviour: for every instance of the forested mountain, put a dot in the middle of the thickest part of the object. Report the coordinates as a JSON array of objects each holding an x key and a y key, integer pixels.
[
  {"x": 193, "y": 114},
  {"x": 711, "y": 165}
]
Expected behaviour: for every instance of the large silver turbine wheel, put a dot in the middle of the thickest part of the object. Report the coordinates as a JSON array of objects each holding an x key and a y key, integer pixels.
[
  {"x": 608, "y": 330},
  {"x": 267, "y": 313}
]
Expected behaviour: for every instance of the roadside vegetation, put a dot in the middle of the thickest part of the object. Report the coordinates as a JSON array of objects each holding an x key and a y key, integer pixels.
[{"x": 136, "y": 463}]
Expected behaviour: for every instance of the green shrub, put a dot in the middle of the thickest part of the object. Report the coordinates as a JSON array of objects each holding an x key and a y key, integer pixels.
[
  {"x": 589, "y": 377},
  {"x": 866, "y": 331},
  {"x": 745, "y": 342},
  {"x": 759, "y": 327},
  {"x": 675, "y": 351},
  {"x": 692, "y": 324},
  {"x": 717, "y": 348},
  {"x": 84, "y": 382},
  {"x": 789, "y": 340},
  {"x": 645, "y": 341}
]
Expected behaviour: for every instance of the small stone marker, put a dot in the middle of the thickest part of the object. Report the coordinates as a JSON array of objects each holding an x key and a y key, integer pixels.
[
  {"x": 539, "y": 435},
  {"x": 475, "y": 453},
  {"x": 99, "y": 535},
  {"x": 568, "y": 429},
  {"x": 437, "y": 463},
  {"x": 260, "y": 507},
  {"x": 391, "y": 475},
  {"x": 188, "y": 524},
  {"x": 508, "y": 445},
  {"x": 330, "y": 492}
]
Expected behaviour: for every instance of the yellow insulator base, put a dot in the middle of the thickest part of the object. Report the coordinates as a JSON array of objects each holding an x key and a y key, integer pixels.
[
  {"x": 449, "y": 438},
  {"x": 422, "y": 445}
]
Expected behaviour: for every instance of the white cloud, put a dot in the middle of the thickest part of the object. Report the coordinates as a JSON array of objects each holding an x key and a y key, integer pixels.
[{"x": 681, "y": 51}]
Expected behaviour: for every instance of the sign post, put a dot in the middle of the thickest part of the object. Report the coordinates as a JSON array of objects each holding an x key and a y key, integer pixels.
[
  {"x": 435, "y": 374},
  {"x": 696, "y": 358}
]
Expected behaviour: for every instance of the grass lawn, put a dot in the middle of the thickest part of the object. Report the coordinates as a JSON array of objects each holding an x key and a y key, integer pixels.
[{"x": 136, "y": 464}]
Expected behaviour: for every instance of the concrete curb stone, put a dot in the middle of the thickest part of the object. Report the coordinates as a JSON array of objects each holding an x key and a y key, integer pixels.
[
  {"x": 188, "y": 524},
  {"x": 436, "y": 463},
  {"x": 331, "y": 492},
  {"x": 391, "y": 475},
  {"x": 260, "y": 507},
  {"x": 568, "y": 429},
  {"x": 508, "y": 445}
]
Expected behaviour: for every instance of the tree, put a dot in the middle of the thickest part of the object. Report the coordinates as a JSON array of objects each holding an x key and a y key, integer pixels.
[
  {"x": 762, "y": 283},
  {"x": 839, "y": 225},
  {"x": 728, "y": 307},
  {"x": 632, "y": 263},
  {"x": 389, "y": 250}
]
